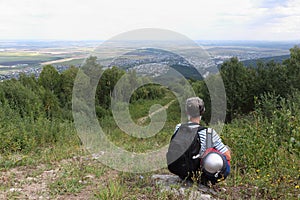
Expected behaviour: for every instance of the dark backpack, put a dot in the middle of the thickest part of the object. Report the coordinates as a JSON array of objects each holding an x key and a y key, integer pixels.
[{"x": 183, "y": 157}]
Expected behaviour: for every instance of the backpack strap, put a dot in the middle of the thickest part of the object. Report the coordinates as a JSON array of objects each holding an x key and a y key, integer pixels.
[
  {"x": 209, "y": 138},
  {"x": 190, "y": 125},
  {"x": 199, "y": 128}
]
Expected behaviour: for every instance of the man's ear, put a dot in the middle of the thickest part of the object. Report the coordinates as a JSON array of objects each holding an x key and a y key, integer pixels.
[{"x": 201, "y": 110}]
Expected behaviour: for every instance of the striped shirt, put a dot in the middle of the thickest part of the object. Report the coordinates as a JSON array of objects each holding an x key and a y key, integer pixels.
[{"x": 217, "y": 142}]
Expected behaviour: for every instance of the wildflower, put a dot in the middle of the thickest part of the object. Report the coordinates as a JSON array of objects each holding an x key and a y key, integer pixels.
[
  {"x": 297, "y": 186},
  {"x": 258, "y": 170}
]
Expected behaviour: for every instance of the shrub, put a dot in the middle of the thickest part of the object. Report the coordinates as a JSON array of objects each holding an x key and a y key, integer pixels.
[{"x": 266, "y": 146}]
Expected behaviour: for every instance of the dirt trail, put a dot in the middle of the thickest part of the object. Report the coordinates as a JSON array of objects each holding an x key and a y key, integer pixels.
[{"x": 142, "y": 120}]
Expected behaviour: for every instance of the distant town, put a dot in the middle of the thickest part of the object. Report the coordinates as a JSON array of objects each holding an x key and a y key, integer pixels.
[{"x": 29, "y": 57}]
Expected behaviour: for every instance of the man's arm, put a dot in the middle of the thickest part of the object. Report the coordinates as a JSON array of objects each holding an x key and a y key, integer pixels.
[{"x": 219, "y": 145}]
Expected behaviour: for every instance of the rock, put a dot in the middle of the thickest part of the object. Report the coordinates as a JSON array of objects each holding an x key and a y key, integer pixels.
[
  {"x": 31, "y": 179},
  {"x": 89, "y": 177},
  {"x": 96, "y": 156},
  {"x": 82, "y": 182},
  {"x": 15, "y": 189},
  {"x": 167, "y": 183},
  {"x": 166, "y": 179},
  {"x": 197, "y": 195}
]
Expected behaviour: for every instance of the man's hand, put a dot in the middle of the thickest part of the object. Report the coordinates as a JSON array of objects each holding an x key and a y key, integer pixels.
[{"x": 227, "y": 154}]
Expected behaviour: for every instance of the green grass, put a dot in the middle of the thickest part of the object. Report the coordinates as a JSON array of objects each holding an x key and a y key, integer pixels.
[
  {"x": 141, "y": 107},
  {"x": 64, "y": 185},
  {"x": 265, "y": 162},
  {"x": 265, "y": 154},
  {"x": 37, "y": 58},
  {"x": 134, "y": 144},
  {"x": 132, "y": 186},
  {"x": 13, "y": 58},
  {"x": 111, "y": 190}
]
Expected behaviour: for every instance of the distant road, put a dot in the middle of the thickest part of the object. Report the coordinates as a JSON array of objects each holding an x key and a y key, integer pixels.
[{"x": 61, "y": 60}]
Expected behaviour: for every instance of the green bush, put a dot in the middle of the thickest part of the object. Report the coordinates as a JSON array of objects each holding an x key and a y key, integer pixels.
[
  {"x": 265, "y": 146},
  {"x": 24, "y": 134}
]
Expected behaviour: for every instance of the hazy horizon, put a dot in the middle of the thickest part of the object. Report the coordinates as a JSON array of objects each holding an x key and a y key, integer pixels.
[{"x": 102, "y": 40}]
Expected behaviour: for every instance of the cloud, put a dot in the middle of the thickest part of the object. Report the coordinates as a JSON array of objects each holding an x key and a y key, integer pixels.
[
  {"x": 282, "y": 19},
  {"x": 102, "y": 19},
  {"x": 271, "y": 3},
  {"x": 265, "y": 20}
]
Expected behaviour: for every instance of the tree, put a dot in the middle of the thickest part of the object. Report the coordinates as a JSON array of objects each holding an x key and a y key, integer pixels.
[
  {"x": 51, "y": 104},
  {"x": 201, "y": 91},
  {"x": 106, "y": 86},
  {"x": 293, "y": 67},
  {"x": 67, "y": 83},
  {"x": 20, "y": 98},
  {"x": 29, "y": 81},
  {"x": 238, "y": 84},
  {"x": 50, "y": 79}
]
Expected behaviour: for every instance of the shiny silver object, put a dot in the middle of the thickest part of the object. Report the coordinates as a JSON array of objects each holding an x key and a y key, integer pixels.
[{"x": 213, "y": 163}]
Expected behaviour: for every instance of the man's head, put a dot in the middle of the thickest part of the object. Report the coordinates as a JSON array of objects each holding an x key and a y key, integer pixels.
[{"x": 194, "y": 107}]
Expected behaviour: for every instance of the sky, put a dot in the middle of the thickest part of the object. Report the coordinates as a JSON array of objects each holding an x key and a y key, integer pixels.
[{"x": 196, "y": 19}]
